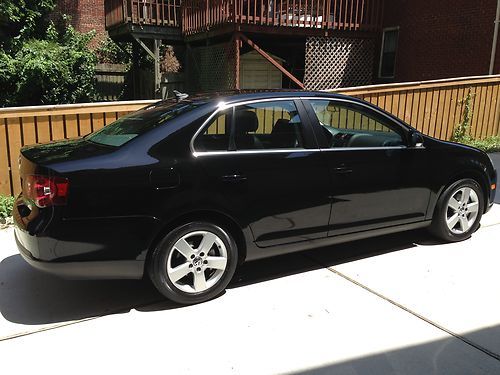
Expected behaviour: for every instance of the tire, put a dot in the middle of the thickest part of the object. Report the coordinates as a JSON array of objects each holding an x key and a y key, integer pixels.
[
  {"x": 194, "y": 262},
  {"x": 455, "y": 220}
]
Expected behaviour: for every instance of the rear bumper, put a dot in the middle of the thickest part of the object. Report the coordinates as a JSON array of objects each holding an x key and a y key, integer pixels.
[{"x": 117, "y": 269}]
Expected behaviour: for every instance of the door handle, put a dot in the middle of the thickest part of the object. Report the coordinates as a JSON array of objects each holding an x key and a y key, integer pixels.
[
  {"x": 234, "y": 178},
  {"x": 342, "y": 170}
]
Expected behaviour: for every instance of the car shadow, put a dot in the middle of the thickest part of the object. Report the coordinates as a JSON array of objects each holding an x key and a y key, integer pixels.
[{"x": 30, "y": 297}]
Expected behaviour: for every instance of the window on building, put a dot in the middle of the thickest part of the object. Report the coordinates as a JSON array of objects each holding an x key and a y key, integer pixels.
[{"x": 388, "y": 52}]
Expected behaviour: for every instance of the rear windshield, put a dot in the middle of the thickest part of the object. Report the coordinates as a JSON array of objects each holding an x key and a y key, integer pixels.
[{"x": 130, "y": 126}]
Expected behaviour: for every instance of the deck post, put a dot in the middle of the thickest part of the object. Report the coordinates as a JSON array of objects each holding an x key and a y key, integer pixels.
[
  {"x": 155, "y": 54},
  {"x": 157, "y": 44}
]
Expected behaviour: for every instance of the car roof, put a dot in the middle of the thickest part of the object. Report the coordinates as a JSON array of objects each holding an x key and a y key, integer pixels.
[{"x": 237, "y": 96}]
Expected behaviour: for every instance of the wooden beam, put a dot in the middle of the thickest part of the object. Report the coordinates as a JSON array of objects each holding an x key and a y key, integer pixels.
[
  {"x": 145, "y": 47},
  {"x": 271, "y": 60}
]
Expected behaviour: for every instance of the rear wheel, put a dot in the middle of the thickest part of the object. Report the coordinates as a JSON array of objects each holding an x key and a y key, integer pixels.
[
  {"x": 194, "y": 262},
  {"x": 458, "y": 211}
]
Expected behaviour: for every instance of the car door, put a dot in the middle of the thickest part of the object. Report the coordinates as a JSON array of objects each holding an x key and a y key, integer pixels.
[
  {"x": 272, "y": 177},
  {"x": 376, "y": 180}
]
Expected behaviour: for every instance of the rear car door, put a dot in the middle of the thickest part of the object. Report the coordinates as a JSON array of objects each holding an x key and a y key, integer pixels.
[
  {"x": 272, "y": 177},
  {"x": 376, "y": 179}
]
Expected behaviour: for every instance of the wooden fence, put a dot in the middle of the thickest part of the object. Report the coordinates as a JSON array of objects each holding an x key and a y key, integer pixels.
[
  {"x": 21, "y": 126},
  {"x": 433, "y": 107},
  {"x": 110, "y": 80},
  {"x": 436, "y": 107}
]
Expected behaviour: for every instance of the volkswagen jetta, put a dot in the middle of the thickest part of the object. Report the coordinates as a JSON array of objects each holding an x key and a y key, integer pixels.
[{"x": 184, "y": 191}]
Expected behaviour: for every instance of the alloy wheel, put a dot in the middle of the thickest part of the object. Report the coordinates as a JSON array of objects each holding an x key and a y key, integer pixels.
[
  {"x": 462, "y": 210},
  {"x": 197, "y": 261}
]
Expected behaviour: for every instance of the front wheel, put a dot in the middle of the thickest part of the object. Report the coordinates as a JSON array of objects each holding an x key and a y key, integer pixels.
[
  {"x": 458, "y": 211},
  {"x": 194, "y": 262}
]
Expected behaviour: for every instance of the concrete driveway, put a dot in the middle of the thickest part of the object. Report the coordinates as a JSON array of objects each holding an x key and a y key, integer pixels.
[{"x": 395, "y": 304}]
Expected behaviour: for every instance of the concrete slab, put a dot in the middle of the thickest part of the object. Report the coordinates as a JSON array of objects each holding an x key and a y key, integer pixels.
[
  {"x": 311, "y": 322},
  {"x": 282, "y": 315},
  {"x": 454, "y": 285},
  {"x": 31, "y": 300}
]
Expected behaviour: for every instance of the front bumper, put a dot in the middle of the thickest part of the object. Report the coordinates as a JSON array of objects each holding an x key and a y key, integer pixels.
[{"x": 116, "y": 269}]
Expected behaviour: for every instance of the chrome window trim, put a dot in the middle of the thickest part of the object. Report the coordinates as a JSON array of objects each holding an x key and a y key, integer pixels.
[
  {"x": 295, "y": 150},
  {"x": 224, "y": 106},
  {"x": 364, "y": 148}
]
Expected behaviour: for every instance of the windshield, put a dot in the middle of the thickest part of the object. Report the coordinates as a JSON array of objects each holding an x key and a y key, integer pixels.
[{"x": 130, "y": 126}]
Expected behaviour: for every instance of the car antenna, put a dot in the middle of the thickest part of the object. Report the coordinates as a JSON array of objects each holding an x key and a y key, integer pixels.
[{"x": 180, "y": 95}]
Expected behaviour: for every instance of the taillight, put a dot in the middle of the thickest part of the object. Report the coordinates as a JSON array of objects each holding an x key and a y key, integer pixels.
[{"x": 47, "y": 191}]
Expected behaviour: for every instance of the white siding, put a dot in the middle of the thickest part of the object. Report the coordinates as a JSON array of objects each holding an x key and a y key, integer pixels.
[{"x": 258, "y": 73}]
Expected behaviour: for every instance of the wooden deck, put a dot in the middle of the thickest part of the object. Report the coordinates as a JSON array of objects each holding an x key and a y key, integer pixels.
[
  {"x": 143, "y": 12},
  {"x": 265, "y": 16},
  {"x": 201, "y": 16}
]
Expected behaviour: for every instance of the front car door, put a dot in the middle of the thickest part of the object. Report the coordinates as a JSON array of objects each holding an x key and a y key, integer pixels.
[
  {"x": 376, "y": 179},
  {"x": 272, "y": 176}
]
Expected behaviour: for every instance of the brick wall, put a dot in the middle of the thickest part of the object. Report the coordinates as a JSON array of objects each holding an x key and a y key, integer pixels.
[
  {"x": 85, "y": 15},
  {"x": 442, "y": 38}
]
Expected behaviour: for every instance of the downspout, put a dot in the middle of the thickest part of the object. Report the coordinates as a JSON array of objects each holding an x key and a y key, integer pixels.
[{"x": 495, "y": 39}]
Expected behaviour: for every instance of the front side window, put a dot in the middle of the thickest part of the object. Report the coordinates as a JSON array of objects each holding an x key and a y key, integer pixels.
[
  {"x": 351, "y": 125},
  {"x": 267, "y": 125}
]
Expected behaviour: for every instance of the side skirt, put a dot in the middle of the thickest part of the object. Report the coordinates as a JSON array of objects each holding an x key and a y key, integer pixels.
[{"x": 254, "y": 252}]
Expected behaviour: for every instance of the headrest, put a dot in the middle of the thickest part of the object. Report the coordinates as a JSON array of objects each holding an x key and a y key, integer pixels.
[
  {"x": 246, "y": 121},
  {"x": 282, "y": 126}
]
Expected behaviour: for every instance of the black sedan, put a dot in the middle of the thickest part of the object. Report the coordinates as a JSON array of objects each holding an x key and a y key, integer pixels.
[{"x": 185, "y": 190}]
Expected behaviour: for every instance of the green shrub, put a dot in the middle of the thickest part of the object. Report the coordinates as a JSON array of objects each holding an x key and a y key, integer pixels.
[
  {"x": 490, "y": 144},
  {"x": 56, "y": 69},
  {"x": 461, "y": 133},
  {"x": 6, "y": 206},
  {"x": 111, "y": 52}
]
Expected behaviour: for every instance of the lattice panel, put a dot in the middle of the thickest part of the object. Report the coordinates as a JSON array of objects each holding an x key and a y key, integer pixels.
[
  {"x": 213, "y": 67},
  {"x": 333, "y": 62}
]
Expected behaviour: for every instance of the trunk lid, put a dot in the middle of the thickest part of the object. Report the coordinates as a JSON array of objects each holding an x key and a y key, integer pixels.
[{"x": 51, "y": 153}]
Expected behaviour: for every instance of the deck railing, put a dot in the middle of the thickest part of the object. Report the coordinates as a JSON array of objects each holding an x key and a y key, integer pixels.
[
  {"x": 143, "y": 12},
  {"x": 203, "y": 15}
]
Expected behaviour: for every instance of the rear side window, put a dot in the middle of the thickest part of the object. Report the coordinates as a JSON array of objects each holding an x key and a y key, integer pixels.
[
  {"x": 130, "y": 126},
  {"x": 268, "y": 126},
  {"x": 215, "y": 137}
]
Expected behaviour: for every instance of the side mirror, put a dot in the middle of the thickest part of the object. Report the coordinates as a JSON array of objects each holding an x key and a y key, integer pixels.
[{"x": 416, "y": 139}]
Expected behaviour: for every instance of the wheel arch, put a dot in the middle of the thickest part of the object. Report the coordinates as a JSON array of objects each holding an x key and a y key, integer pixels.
[
  {"x": 212, "y": 216},
  {"x": 471, "y": 174}
]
